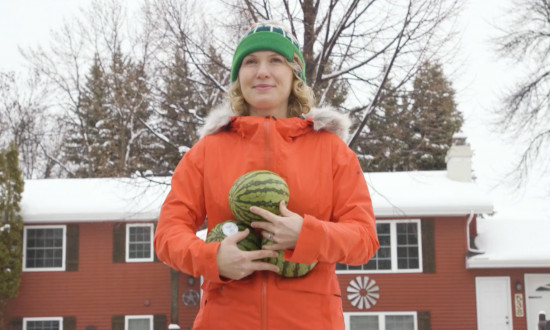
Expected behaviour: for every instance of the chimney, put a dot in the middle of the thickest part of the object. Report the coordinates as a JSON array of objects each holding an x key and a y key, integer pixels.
[{"x": 459, "y": 159}]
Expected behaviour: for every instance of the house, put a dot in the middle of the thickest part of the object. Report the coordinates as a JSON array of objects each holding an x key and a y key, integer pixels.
[
  {"x": 89, "y": 262},
  {"x": 444, "y": 263},
  {"x": 513, "y": 269}
]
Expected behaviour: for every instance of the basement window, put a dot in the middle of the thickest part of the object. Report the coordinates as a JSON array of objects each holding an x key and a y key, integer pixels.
[
  {"x": 43, "y": 323},
  {"x": 138, "y": 322},
  {"x": 380, "y": 321}
]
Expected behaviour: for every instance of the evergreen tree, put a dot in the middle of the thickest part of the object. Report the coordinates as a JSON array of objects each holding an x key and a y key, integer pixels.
[
  {"x": 131, "y": 144},
  {"x": 435, "y": 118},
  {"x": 179, "y": 112},
  {"x": 87, "y": 143},
  {"x": 385, "y": 143},
  {"x": 411, "y": 130},
  {"x": 108, "y": 136},
  {"x": 11, "y": 226}
]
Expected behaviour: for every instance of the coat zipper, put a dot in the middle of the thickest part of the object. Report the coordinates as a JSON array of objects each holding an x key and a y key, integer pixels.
[
  {"x": 267, "y": 124},
  {"x": 264, "y": 300}
]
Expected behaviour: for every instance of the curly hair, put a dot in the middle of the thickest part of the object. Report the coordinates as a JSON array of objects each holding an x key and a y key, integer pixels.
[{"x": 300, "y": 101}]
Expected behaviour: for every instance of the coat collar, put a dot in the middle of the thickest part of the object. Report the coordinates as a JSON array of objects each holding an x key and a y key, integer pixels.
[{"x": 321, "y": 119}]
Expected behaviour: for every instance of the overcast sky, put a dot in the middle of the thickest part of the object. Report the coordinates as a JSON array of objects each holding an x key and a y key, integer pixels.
[{"x": 478, "y": 77}]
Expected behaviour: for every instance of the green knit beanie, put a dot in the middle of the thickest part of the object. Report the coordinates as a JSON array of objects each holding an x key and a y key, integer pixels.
[{"x": 267, "y": 36}]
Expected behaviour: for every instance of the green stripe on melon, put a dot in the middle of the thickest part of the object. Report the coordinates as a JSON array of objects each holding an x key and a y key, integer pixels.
[
  {"x": 260, "y": 188},
  {"x": 227, "y": 228},
  {"x": 287, "y": 268}
]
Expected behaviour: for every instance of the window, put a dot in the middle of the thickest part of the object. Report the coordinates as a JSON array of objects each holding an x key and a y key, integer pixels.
[
  {"x": 44, "y": 248},
  {"x": 400, "y": 249},
  {"x": 381, "y": 321},
  {"x": 138, "y": 322},
  {"x": 139, "y": 246},
  {"x": 43, "y": 323}
]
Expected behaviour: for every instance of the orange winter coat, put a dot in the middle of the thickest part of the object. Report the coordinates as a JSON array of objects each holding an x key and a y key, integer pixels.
[{"x": 327, "y": 188}]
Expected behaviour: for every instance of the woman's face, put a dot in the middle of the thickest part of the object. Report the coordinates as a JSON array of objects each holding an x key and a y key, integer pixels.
[{"x": 266, "y": 82}]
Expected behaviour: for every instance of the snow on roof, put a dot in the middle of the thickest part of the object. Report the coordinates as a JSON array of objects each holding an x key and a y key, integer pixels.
[
  {"x": 424, "y": 193},
  {"x": 105, "y": 199},
  {"x": 515, "y": 236}
]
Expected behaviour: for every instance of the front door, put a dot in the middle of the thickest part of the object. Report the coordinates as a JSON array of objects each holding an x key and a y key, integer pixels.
[
  {"x": 494, "y": 305},
  {"x": 537, "y": 298}
]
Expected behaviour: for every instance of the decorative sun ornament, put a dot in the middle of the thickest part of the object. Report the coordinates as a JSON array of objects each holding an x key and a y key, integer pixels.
[{"x": 363, "y": 292}]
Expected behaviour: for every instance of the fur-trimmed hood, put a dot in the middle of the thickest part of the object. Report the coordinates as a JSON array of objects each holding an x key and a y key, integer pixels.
[{"x": 324, "y": 118}]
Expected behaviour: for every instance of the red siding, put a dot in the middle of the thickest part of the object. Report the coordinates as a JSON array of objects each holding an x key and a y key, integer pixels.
[
  {"x": 186, "y": 314},
  {"x": 520, "y": 323},
  {"x": 448, "y": 294},
  {"x": 99, "y": 289}
]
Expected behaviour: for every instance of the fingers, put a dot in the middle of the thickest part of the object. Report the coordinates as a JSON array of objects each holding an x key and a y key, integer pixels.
[
  {"x": 236, "y": 264},
  {"x": 273, "y": 247},
  {"x": 261, "y": 254},
  {"x": 263, "y": 213},
  {"x": 238, "y": 236},
  {"x": 262, "y": 265},
  {"x": 254, "y": 261},
  {"x": 266, "y": 227},
  {"x": 268, "y": 235},
  {"x": 284, "y": 211}
]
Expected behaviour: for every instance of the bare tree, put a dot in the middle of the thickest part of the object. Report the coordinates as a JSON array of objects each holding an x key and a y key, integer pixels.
[
  {"x": 351, "y": 49},
  {"x": 23, "y": 120},
  {"x": 105, "y": 35},
  {"x": 348, "y": 45},
  {"x": 526, "y": 109}
]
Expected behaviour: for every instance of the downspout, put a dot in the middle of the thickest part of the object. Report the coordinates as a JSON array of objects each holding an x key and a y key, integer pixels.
[{"x": 471, "y": 250}]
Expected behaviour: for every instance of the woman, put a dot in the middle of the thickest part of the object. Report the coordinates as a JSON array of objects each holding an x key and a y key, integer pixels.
[{"x": 328, "y": 219}]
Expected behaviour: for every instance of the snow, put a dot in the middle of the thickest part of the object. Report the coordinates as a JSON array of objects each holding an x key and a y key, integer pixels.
[
  {"x": 517, "y": 236},
  {"x": 428, "y": 193},
  {"x": 81, "y": 200},
  {"x": 424, "y": 193},
  {"x": 5, "y": 227}
]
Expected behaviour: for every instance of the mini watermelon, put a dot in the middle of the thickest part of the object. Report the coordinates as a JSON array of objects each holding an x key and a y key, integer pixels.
[
  {"x": 287, "y": 268},
  {"x": 261, "y": 188},
  {"x": 227, "y": 228}
]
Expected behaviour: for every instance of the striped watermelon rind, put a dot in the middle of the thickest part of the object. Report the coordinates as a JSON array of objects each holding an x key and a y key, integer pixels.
[
  {"x": 260, "y": 188},
  {"x": 287, "y": 268},
  {"x": 227, "y": 228}
]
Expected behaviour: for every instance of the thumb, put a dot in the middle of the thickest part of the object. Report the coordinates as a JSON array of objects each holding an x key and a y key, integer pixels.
[
  {"x": 283, "y": 209},
  {"x": 238, "y": 236}
]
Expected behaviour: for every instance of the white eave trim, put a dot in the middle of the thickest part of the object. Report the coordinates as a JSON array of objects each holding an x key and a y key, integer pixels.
[
  {"x": 478, "y": 262},
  {"x": 426, "y": 211},
  {"x": 88, "y": 217}
]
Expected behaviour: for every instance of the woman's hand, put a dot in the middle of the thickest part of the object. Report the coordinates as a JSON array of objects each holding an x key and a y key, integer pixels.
[
  {"x": 282, "y": 229},
  {"x": 235, "y": 264}
]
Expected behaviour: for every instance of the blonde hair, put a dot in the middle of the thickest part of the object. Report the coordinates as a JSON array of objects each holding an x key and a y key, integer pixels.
[{"x": 300, "y": 101}]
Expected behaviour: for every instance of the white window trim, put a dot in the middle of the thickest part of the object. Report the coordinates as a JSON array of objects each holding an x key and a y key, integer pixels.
[
  {"x": 393, "y": 232},
  {"x": 27, "y": 319},
  {"x": 45, "y": 269},
  {"x": 127, "y": 319},
  {"x": 381, "y": 317},
  {"x": 127, "y": 247}
]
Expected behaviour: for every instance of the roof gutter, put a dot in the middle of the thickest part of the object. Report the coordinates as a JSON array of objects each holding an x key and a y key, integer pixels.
[{"x": 471, "y": 250}]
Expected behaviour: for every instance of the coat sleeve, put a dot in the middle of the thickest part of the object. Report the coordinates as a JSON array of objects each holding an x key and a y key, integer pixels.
[
  {"x": 182, "y": 213},
  {"x": 350, "y": 235}
]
